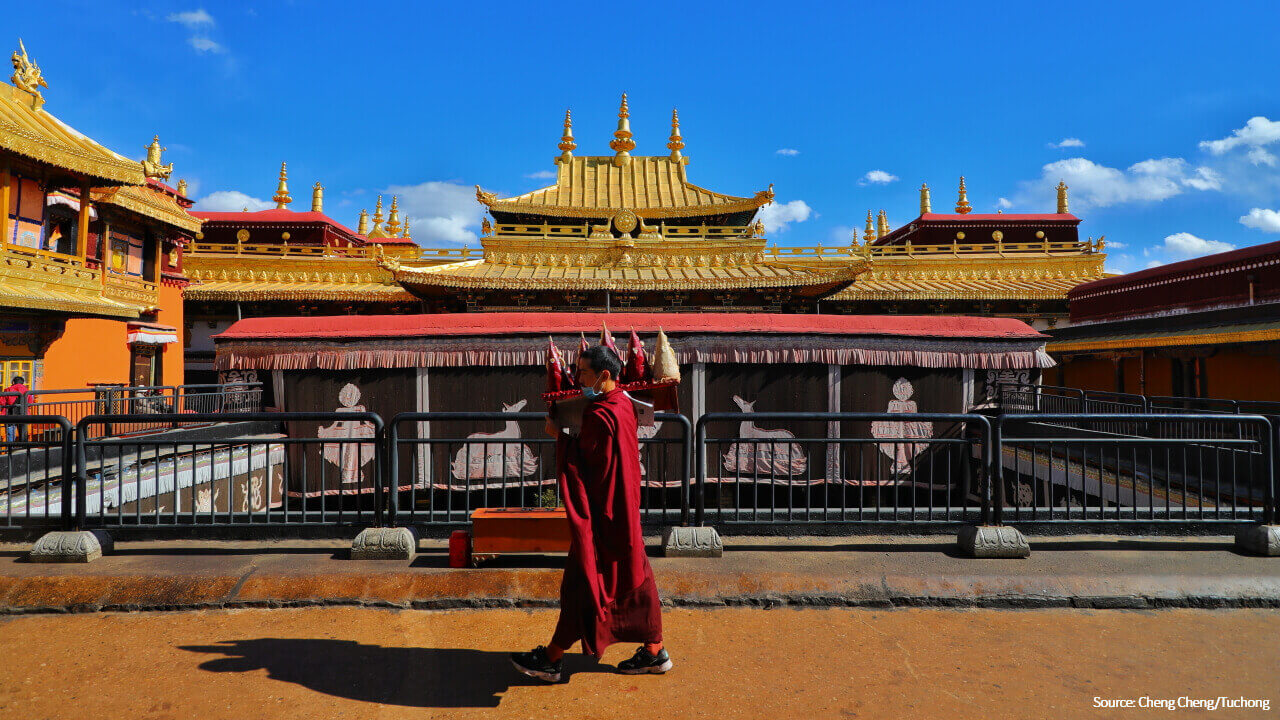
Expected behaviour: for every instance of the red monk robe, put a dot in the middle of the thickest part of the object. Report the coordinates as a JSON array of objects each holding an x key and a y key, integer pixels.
[{"x": 608, "y": 593}]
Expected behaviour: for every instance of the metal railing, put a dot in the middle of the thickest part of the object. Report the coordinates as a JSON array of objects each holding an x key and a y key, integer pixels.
[
  {"x": 33, "y": 473},
  {"x": 135, "y": 404},
  {"x": 442, "y": 468},
  {"x": 866, "y": 468}
]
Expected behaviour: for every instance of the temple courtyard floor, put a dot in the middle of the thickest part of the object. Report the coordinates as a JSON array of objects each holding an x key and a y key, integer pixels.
[{"x": 869, "y": 627}]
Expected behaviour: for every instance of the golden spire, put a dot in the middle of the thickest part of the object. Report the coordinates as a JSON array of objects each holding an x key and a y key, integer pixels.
[
  {"x": 405, "y": 234},
  {"x": 925, "y": 207},
  {"x": 182, "y": 187},
  {"x": 870, "y": 233},
  {"x": 393, "y": 222},
  {"x": 962, "y": 205},
  {"x": 363, "y": 227},
  {"x": 377, "y": 215},
  {"x": 882, "y": 224},
  {"x": 282, "y": 190},
  {"x": 677, "y": 143},
  {"x": 567, "y": 145},
  {"x": 622, "y": 144},
  {"x": 317, "y": 198},
  {"x": 1062, "y": 198},
  {"x": 153, "y": 166}
]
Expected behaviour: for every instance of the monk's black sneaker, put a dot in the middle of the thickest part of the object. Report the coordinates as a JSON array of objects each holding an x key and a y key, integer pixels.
[
  {"x": 642, "y": 662},
  {"x": 535, "y": 664}
]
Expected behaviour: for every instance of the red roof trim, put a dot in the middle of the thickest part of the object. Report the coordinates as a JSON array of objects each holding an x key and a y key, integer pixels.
[
  {"x": 456, "y": 324},
  {"x": 1173, "y": 272},
  {"x": 274, "y": 217}
]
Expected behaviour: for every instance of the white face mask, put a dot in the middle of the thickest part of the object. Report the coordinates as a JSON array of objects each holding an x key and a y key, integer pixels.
[{"x": 591, "y": 392}]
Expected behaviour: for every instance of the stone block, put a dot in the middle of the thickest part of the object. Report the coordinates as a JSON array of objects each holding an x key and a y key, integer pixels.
[
  {"x": 71, "y": 546},
  {"x": 385, "y": 544},
  {"x": 1259, "y": 540},
  {"x": 691, "y": 542},
  {"x": 993, "y": 541}
]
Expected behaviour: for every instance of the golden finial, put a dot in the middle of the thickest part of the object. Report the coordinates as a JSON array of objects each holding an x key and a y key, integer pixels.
[
  {"x": 962, "y": 205},
  {"x": 317, "y": 198},
  {"x": 393, "y": 222},
  {"x": 1062, "y": 198},
  {"x": 622, "y": 144},
  {"x": 363, "y": 227},
  {"x": 282, "y": 190},
  {"x": 567, "y": 145},
  {"x": 153, "y": 167},
  {"x": 925, "y": 206},
  {"x": 405, "y": 233},
  {"x": 870, "y": 233},
  {"x": 377, "y": 215},
  {"x": 882, "y": 224},
  {"x": 677, "y": 143},
  {"x": 27, "y": 76},
  {"x": 182, "y": 187}
]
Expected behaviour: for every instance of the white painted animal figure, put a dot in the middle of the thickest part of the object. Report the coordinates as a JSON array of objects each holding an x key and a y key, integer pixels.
[
  {"x": 778, "y": 457},
  {"x": 497, "y": 458}
]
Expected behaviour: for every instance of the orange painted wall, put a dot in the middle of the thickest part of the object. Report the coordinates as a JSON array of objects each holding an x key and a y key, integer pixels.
[
  {"x": 1159, "y": 376},
  {"x": 88, "y": 351},
  {"x": 1089, "y": 375},
  {"x": 1238, "y": 376},
  {"x": 171, "y": 314}
]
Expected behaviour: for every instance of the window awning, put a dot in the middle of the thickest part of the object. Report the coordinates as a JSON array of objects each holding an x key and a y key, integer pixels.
[{"x": 151, "y": 334}]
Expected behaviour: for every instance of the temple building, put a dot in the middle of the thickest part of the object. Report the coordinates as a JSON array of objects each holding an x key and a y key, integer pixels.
[
  {"x": 91, "y": 251},
  {"x": 1208, "y": 327}
]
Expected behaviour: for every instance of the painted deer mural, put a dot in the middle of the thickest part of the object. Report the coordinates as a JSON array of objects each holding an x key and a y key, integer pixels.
[
  {"x": 763, "y": 458},
  {"x": 498, "y": 457}
]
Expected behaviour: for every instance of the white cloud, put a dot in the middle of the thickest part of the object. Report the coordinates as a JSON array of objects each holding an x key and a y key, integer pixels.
[
  {"x": 877, "y": 177},
  {"x": 440, "y": 212},
  {"x": 1004, "y": 204},
  {"x": 542, "y": 175},
  {"x": 778, "y": 216},
  {"x": 191, "y": 19},
  {"x": 231, "y": 201},
  {"x": 204, "y": 44},
  {"x": 1184, "y": 246},
  {"x": 1262, "y": 219},
  {"x": 1116, "y": 245},
  {"x": 1068, "y": 143},
  {"x": 843, "y": 234},
  {"x": 1259, "y": 156},
  {"x": 788, "y": 151},
  {"x": 1094, "y": 185},
  {"x": 1258, "y": 131}
]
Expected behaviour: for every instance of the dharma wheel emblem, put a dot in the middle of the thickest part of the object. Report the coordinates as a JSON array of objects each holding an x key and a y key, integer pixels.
[{"x": 624, "y": 221}]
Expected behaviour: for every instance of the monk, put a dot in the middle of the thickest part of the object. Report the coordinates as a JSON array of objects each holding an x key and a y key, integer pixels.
[{"x": 607, "y": 594}]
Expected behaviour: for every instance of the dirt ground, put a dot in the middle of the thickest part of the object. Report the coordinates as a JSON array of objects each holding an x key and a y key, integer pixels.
[{"x": 729, "y": 663}]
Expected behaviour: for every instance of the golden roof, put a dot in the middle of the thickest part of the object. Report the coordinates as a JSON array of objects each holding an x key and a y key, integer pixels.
[
  {"x": 27, "y": 130},
  {"x": 483, "y": 274},
  {"x": 922, "y": 289},
  {"x": 241, "y": 290},
  {"x": 149, "y": 202},
  {"x": 651, "y": 187}
]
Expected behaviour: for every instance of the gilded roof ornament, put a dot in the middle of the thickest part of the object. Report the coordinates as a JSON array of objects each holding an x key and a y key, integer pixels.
[
  {"x": 317, "y": 198},
  {"x": 377, "y": 231},
  {"x": 363, "y": 227},
  {"x": 1062, "y": 198},
  {"x": 393, "y": 222},
  {"x": 925, "y": 207},
  {"x": 153, "y": 166},
  {"x": 676, "y": 143},
  {"x": 281, "y": 197},
  {"x": 405, "y": 233},
  {"x": 182, "y": 187},
  {"x": 962, "y": 204},
  {"x": 567, "y": 145},
  {"x": 622, "y": 144},
  {"x": 486, "y": 228},
  {"x": 882, "y": 224},
  {"x": 26, "y": 74},
  {"x": 870, "y": 233},
  {"x": 487, "y": 198}
]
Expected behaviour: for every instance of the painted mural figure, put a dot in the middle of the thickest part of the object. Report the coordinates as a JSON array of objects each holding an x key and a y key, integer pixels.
[
  {"x": 902, "y": 453},
  {"x": 349, "y": 457},
  {"x": 498, "y": 459},
  {"x": 778, "y": 457}
]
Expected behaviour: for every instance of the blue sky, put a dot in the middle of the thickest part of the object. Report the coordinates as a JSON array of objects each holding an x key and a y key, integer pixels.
[{"x": 1170, "y": 112}]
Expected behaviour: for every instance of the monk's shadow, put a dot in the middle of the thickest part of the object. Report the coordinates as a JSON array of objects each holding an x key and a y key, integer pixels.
[{"x": 412, "y": 677}]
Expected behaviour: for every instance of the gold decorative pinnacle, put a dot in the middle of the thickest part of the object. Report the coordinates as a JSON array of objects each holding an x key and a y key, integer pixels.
[
  {"x": 1062, "y": 198},
  {"x": 870, "y": 233},
  {"x": 925, "y": 205},
  {"x": 393, "y": 222},
  {"x": 882, "y": 224},
  {"x": 962, "y": 204},
  {"x": 317, "y": 198},
  {"x": 282, "y": 190},
  {"x": 622, "y": 144},
  {"x": 405, "y": 233},
  {"x": 182, "y": 187},
  {"x": 377, "y": 215},
  {"x": 153, "y": 166},
  {"x": 567, "y": 145},
  {"x": 363, "y": 227},
  {"x": 27, "y": 76},
  {"x": 676, "y": 143}
]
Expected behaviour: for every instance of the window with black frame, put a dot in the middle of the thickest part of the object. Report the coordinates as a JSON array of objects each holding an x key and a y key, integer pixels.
[{"x": 59, "y": 230}]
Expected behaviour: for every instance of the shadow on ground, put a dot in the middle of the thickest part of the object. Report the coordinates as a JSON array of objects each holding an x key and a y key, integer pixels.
[{"x": 411, "y": 677}]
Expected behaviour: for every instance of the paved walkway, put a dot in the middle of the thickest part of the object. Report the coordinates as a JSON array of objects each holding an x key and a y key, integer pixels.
[
  {"x": 867, "y": 571},
  {"x": 368, "y": 663}
]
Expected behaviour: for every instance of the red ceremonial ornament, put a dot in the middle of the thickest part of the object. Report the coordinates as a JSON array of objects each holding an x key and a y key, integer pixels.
[
  {"x": 637, "y": 365},
  {"x": 555, "y": 367},
  {"x": 606, "y": 339}
]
